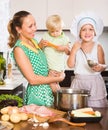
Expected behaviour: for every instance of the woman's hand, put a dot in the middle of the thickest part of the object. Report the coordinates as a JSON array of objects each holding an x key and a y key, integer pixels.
[{"x": 55, "y": 87}]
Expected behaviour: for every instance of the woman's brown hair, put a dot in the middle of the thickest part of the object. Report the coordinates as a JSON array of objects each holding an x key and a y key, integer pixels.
[{"x": 17, "y": 21}]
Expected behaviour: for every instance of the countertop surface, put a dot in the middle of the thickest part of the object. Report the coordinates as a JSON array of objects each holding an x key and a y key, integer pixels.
[
  {"x": 102, "y": 125},
  {"x": 16, "y": 80},
  {"x": 10, "y": 85}
]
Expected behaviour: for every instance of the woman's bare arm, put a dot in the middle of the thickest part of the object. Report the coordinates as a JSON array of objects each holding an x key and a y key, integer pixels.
[{"x": 26, "y": 68}]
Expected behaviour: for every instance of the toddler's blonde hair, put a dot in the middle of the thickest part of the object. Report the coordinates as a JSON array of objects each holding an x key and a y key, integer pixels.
[{"x": 54, "y": 22}]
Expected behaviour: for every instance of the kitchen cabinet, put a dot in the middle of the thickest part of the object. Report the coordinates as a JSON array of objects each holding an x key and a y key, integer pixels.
[
  {"x": 37, "y": 7},
  {"x": 41, "y": 9},
  {"x": 63, "y": 8},
  {"x": 97, "y": 6}
]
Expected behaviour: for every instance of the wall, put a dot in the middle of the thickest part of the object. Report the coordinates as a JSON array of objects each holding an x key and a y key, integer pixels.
[{"x": 67, "y": 9}]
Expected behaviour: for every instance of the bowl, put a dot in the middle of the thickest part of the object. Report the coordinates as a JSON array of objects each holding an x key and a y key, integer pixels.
[
  {"x": 86, "y": 119},
  {"x": 92, "y": 63}
]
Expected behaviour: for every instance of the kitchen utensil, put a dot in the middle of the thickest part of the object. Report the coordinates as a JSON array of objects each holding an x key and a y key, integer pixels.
[
  {"x": 81, "y": 119},
  {"x": 68, "y": 99},
  {"x": 58, "y": 113},
  {"x": 66, "y": 121},
  {"x": 91, "y": 63}
]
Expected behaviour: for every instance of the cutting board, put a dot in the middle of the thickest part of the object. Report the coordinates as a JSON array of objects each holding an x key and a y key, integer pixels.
[{"x": 58, "y": 113}]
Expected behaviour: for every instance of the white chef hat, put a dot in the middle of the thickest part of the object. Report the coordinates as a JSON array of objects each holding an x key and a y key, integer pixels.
[{"x": 86, "y": 18}]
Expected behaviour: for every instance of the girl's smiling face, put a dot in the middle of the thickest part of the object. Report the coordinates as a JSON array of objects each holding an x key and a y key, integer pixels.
[{"x": 87, "y": 32}]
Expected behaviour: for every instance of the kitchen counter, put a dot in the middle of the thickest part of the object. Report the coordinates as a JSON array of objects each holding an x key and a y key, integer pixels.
[
  {"x": 102, "y": 125},
  {"x": 15, "y": 86},
  {"x": 11, "y": 85}
]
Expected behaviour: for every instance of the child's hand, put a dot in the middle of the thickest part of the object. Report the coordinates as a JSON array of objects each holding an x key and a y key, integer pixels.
[
  {"x": 67, "y": 49},
  {"x": 64, "y": 48},
  {"x": 98, "y": 68},
  {"x": 43, "y": 43},
  {"x": 76, "y": 46}
]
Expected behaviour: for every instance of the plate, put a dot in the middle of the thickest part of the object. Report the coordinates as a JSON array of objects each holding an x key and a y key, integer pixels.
[{"x": 86, "y": 119}]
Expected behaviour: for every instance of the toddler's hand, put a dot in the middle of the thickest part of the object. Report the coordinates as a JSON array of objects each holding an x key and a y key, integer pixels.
[
  {"x": 60, "y": 48},
  {"x": 64, "y": 48},
  {"x": 43, "y": 43}
]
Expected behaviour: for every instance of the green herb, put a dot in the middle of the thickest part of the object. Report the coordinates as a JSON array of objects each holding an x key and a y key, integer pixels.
[{"x": 4, "y": 97}]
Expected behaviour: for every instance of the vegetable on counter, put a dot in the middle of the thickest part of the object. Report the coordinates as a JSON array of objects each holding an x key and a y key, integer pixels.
[
  {"x": 12, "y": 113},
  {"x": 10, "y": 100},
  {"x": 85, "y": 112}
]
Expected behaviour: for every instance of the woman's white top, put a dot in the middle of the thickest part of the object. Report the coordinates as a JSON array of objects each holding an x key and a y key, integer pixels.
[{"x": 81, "y": 65}]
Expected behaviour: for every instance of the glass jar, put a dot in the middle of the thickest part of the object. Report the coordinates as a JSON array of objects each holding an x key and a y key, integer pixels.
[
  {"x": 2, "y": 68},
  {"x": 1, "y": 77}
]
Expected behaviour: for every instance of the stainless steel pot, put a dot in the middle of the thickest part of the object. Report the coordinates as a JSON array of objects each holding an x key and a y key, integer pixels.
[{"x": 68, "y": 99}]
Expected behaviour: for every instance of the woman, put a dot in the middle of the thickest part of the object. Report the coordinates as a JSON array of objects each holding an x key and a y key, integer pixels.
[{"x": 31, "y": 60}]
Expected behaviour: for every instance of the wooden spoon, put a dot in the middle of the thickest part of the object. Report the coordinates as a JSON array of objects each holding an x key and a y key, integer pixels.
[{"x": 66, "y": 121}]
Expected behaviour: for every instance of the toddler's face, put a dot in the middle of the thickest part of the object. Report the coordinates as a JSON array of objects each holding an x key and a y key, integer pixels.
[{"x": 56, "y": 32}]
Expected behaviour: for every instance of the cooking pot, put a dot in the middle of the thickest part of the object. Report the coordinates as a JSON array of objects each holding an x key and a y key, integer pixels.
[{"x": 68, "y": 99}]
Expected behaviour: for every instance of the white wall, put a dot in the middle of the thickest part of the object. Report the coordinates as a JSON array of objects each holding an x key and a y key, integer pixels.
[{"x": 67, "y": 9}]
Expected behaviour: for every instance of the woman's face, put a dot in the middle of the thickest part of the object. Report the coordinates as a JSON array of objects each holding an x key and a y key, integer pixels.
[
  {"x": 28, "y": 29},
  {"x": 87, "y": 32}
]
